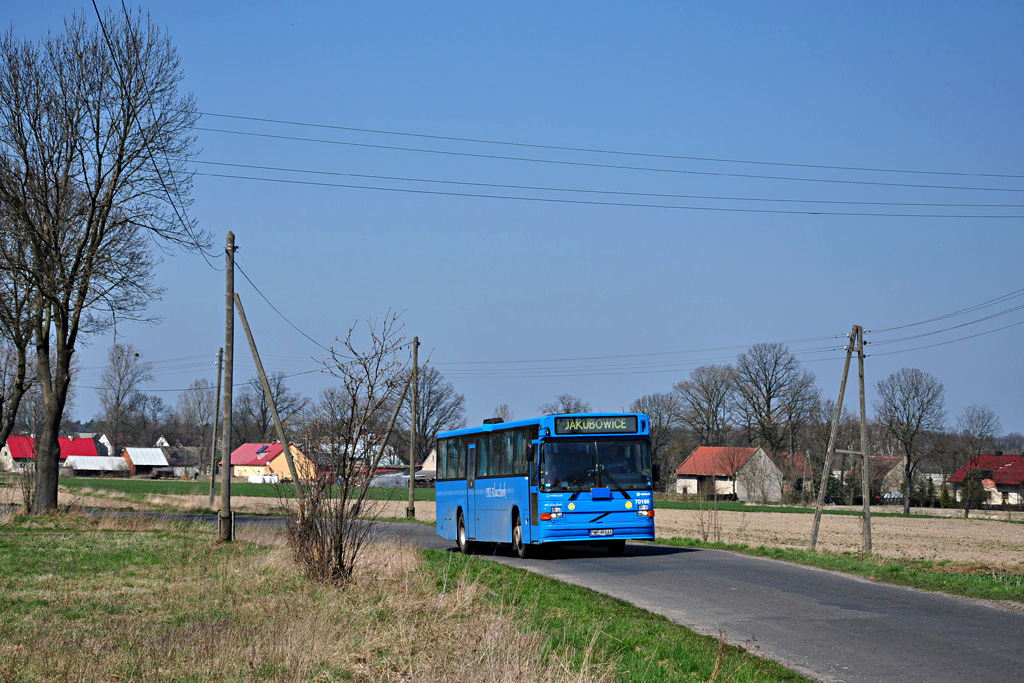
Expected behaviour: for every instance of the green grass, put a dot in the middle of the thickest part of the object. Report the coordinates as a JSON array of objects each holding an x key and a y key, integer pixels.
[
  {"x": 971, "y": 581},
  {"x": 637, "y": 645},
  {"x": 138, "y": 489}
]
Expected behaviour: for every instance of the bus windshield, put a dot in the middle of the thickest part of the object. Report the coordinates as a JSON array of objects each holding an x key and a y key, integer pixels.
[{"x": 578, "y": 465}]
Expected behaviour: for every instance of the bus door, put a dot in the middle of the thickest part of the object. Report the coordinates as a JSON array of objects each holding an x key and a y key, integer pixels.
[{"x": 470, "y": 517}]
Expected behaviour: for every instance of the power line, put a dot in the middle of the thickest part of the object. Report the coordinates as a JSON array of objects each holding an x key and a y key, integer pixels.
[
  {"x": 555, "y": 200},
  {"x": 277, "y": 310},
  {"x": 952, "y": 327},
  {"x": 600, "y": 192},
  {"x": 595, "y": 150},
  {"x": 950, "y": 341},
  {"x": 562, "y": 162},
  {"x": 991, "y": 302}
]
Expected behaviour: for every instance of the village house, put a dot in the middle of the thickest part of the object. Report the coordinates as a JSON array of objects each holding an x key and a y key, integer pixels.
[
  {"x": 1002, "y": 477},
  {"x": 20, "y": 451},
  {"x": 745, "y": 474},
  {"x": 97, "y": 466},
  {"x": 145, "y": 461},
  {"x": 266, "y": 459},
  {"x": 185, "y": 462}
]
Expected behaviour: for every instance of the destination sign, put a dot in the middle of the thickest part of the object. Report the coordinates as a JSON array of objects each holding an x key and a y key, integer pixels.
[{"x": 618, "y": 424}]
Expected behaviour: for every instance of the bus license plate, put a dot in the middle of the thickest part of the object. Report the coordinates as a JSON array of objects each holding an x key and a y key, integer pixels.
[{"x": 601, "y": 532}]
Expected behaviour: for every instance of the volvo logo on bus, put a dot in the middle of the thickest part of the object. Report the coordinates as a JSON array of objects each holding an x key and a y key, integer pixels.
[{"x": 618, "y": 424}]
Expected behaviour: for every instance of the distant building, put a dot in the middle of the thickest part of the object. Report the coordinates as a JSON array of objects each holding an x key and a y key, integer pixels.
[
  {"x": 19, "y": 453},
  {"x": 95, "y": 466},
  {"x": 145, "y": 461},
  {"x": 265, "y": 459},
  {"x": 185, "y": 462},
  {"x": 1002, "y": 477},
  {"x": 746, "y": 474}
]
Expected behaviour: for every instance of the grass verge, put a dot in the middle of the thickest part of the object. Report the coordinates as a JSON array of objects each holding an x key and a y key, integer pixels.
[
  {"x": 127, "y": 598},
  {"x": 967, "y": 580}
]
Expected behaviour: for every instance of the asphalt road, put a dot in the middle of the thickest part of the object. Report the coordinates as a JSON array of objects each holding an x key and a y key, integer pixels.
[{"x": 826, "y": 625}]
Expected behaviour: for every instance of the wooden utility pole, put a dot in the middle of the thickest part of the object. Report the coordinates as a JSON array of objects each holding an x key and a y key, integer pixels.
[
  {"x": 226, "y": 527},
  {"x": 410, "y": 512},
  {"x": 827, "y": 470},
  {"x": 216, "y": 416},
  {"x": 865, "y": 478},
  {"x": 270, "y": 402}
]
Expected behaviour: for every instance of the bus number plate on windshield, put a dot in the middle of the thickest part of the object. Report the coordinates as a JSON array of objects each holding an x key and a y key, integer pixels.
[{"x": 601, "y": 532}]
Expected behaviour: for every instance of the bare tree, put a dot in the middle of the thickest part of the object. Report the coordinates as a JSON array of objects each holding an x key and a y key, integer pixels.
[
  {"x": 664, "y": 414},
  {"x": 503, "y": 412},
  {"x": 438, "y": 408},
  {"x": 847, "y": 438},
  {"x": 706, "y": 401},
  {"x": 121, "y": 399},
  {"x": 1012, "y": 442},
  {"x": 565, "y": 403},
  {"x": 194, "y": 412},
  {"x": 350, "y": 430},
  {"x": 94, "y": 151},
  {"x": 765, "y": 379},
  {"x": 17, "y": 370},
  {"x": 909, "y": 402},
  {"x": 255, "y": 421},
  {"x": 978, "y": 426},
  {"x": 800, "y": 403}
]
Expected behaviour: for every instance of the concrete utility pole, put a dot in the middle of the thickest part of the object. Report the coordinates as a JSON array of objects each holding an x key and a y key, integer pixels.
[
  {"x": 226, "y": 527},
  {"x": 827, "y": 470},
  {"x": 865, "y": 480},
  {"x": 216, "y": 416},
  {"x": 270, "y": 401},
  {"x": 410, "y": 511}
]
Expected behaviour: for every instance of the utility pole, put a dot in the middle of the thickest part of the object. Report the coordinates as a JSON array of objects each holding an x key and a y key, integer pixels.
[
  {"x": 216, "y": 416},
  {"x": 832, "y": 443},
  {"x": 865, "y": 478},
  {"x": 226, "y": 527},
  {"x": 410, "y": 512},
  {"x": 270, "y": 402}
]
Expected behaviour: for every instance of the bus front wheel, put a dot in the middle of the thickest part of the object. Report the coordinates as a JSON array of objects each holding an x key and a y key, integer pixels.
[
  {"x": 522, "y": 549},
  {"x": 465, "y": 545}
]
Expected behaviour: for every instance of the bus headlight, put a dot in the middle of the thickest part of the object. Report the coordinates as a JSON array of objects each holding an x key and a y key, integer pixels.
[{"x": 556, "y": 513}]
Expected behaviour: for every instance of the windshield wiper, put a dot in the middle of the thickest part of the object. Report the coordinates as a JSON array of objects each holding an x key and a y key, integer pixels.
[{"x": 618, "y": 486}]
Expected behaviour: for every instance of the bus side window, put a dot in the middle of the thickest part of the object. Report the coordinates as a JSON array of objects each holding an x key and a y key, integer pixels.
[{"x": 483, "y": 454}]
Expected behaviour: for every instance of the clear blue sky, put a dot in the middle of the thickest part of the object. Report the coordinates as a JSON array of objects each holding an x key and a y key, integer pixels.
[{"x": 879, "y": 85}]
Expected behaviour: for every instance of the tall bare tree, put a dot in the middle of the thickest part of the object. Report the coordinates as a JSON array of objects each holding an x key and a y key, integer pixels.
[
  {"x": 504, "y": 412},
  {"x": 194, "y": 412},
  {"x": 765, "y": 379},
  {"x": 17, "y": 368},
  {"x": 978, "y": 427},
  {"x": 818, "y": 434},
  {"x": 120, "y": 394},
  {"x": 706, "y": 402},
  {"x": 94, "y": 150},
  {"x": 910, "y": 401},
  {"x": 438, "y": 408},
  {"x": 664, "y": 413},
  {"x": 564, "y": 403},
  {"x": 254, "y": 421}
]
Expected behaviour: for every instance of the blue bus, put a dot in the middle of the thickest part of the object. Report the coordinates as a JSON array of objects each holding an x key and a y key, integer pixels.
[{"x": 579, "y": 478}]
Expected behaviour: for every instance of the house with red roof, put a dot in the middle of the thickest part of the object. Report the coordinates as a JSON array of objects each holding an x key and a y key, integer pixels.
[
  {"x": 20, "y": 451},
  {"x": 734, "y": 472},
  {"x": 265, "y": 459},
  {"x": 1002, "y": 477}
]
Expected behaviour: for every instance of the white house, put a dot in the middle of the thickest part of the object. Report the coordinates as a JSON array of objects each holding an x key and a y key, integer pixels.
[{"x": 746, "y": 474}]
